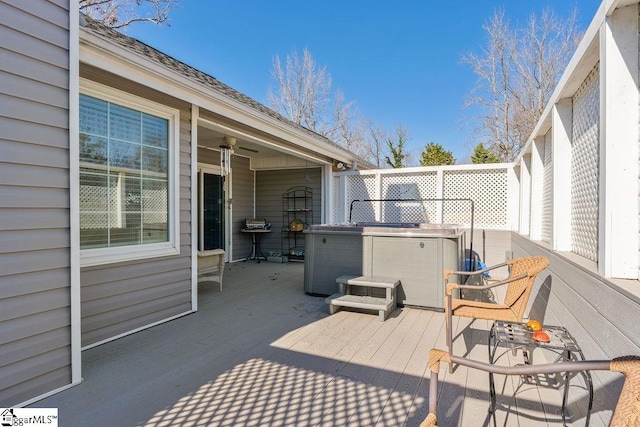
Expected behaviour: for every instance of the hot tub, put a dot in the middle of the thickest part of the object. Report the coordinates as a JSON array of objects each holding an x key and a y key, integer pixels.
[{"x": 415, "y": 253}]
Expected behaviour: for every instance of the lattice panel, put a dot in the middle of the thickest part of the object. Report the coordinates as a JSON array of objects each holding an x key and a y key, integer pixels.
[
  {"x": 547, "y": 188},
  {"x": 488, "y": 190},
  {"x": 412, "y": 185},
  {"x": 360, "y": 187},
  {"x": 585, "y": 150}
]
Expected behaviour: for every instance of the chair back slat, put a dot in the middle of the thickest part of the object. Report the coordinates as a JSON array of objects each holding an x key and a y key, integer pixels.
[{"x": 518, "y": 292}]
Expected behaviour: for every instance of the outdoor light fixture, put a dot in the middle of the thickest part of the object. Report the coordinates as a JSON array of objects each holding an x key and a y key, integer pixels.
[
  {"x": 341, "y": 166},
  {"x": 226, "y": 150}
]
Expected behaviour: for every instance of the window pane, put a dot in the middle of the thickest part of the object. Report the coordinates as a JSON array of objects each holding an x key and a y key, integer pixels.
[
  {"x": 155, "y": 131},
  {"x": 93, "y": 116},
  {"x": 94, "y": 213},
  {"x": 155, "y": 206},
  {"x": 93, "y": 196},
  {"x": 124, "y": 123},
  {"x": 124, "y": 157},
  {"x": 93, "y": 150},
  {"x": 93, "y": 237},
  {"x": 129, "y": 213},
  {"x": 154, "y": 160}
]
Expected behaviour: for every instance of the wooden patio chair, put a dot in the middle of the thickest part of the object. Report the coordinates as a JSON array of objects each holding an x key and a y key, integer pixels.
[
  {"x": 627, "y": 410},
  {"x": 523, "y": 272}
]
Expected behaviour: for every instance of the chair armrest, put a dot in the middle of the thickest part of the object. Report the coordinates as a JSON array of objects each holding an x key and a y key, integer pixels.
[
  {"x": 473, "y": 273},
  {"x": 451, "y": 286},
  {"x": 547, "y": 368}
]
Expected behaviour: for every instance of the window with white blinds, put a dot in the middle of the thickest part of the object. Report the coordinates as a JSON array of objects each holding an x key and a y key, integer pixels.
[{"x": 125, "y": 176}]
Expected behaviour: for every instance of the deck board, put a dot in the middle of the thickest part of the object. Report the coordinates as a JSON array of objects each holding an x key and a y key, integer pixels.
[{"x": 263, "y": 352}]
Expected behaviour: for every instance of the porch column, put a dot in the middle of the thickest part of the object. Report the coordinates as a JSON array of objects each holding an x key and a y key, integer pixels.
[
  {"x": 561, "y": 123},
  {"x": 195, "y": 112},
  {"x": 327, "y": 196},
  {"x": 618, "y": 194}
]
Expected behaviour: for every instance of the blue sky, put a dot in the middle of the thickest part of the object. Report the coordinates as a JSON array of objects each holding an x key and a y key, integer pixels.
[{"x": 398, "y": 60}]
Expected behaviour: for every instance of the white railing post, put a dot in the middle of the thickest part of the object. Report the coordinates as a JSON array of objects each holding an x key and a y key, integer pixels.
[
  {"x": 537, "y": 178},
  {"x": 513, "y": 191},
  {"x": 525, "y": 194},
  {"x": 561, "y": 125},
  {"x": 439, "y": 195},
  {"x": 618, "y": 211},
  {"x": 342, "y": 199},
  {"x": 378, "y": 195}
]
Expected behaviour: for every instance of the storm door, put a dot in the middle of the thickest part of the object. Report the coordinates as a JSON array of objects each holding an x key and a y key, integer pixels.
[{"x": 211, "y": 211}]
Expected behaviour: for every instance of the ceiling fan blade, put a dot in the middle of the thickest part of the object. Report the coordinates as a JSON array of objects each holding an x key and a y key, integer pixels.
[{"x": 249, "y": 149}]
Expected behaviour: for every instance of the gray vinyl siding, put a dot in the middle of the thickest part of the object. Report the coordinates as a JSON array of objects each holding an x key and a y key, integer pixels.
[
  {"x": 35, "y": 279},
  {"x": 123, "y": 297},
  {"x": 270, "y": 186},
  {"x": 242, "y": 194},
  {"x": 210, "y": 157},
  {"x": 599, "y": 316}
]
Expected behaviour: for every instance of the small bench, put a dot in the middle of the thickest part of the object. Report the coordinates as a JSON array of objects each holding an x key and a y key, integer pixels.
[
  {"x": 344, "y": 298},
  {"x": 211, "y": 265}
]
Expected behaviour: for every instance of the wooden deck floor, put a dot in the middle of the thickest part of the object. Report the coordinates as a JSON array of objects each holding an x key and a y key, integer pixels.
[{"x": 263, "y": 353}]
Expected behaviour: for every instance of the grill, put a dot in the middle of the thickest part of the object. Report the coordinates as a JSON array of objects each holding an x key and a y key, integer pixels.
[{"x": 256, "y": 224}]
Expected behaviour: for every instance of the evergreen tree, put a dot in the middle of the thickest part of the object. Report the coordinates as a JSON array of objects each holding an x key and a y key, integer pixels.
[
  {"x": 483, "y": 155},
  {"x": 435, "y": 155}
]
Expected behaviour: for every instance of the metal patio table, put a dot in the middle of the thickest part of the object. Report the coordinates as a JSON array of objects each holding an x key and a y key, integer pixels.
[{"x": 516, "y": 336}]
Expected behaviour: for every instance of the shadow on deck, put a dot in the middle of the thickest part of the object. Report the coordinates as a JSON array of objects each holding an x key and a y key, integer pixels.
[{"x": 263, "y": 352}]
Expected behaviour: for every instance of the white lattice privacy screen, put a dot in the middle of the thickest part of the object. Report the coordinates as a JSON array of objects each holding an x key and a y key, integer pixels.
[
  {"x": 361, "y": 187},
  {"x": 485, "y": 186},
  {"x": 585, "y": 149},
  {"x": 487, "y": 189}
]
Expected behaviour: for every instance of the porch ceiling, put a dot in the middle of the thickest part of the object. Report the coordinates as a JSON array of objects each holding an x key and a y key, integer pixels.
[
  {"x": 264, "y": 154},
  {"x": 213, "y": 139}
]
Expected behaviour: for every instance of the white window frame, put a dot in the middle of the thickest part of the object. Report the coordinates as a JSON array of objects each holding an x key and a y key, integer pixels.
[{"x": 100, "y": 256}]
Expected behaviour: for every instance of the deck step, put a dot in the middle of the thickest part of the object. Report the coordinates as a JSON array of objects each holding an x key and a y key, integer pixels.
[
  {"x": 382, "y": 305},
  {"x": 371, "y": 282}
]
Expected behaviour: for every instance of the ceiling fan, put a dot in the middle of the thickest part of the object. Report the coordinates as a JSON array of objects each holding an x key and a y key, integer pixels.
[{"x": 230, "y": 144}]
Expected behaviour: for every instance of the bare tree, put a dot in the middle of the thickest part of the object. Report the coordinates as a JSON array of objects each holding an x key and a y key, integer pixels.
[
  {"x": 120, "y": 13},
  {"x": 517, "y": 71},
  {"x": 375, "y": 143},
  {"x": 546, "y": 45},
  {"x": 303, "y": 94}
]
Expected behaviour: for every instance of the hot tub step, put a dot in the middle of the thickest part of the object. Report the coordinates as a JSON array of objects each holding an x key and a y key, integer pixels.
[
  {"x": 382, "y": 305},
  {"x": 371, "y": 282},
  {"x": 347, "y": 283}
]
